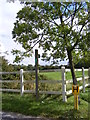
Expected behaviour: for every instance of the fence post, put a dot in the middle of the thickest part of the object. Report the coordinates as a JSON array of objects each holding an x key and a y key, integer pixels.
[
  {"x": 21, "y": 82},
  {"x": 36, "y": 73},
  {"x": 83, "y": 78},
  {"x": 89, "y": 92},
  {"x": 89, "y": 76},
  {"x": 63, "y": 85}
]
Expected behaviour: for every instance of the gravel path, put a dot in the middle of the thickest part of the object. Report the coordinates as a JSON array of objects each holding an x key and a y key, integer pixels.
[{"x": 15, "y": 116}]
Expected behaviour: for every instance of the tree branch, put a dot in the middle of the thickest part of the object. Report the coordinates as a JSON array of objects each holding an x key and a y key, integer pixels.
[
  {"x": 75, "y": 13},
  {"x": 60, "y": 16},
  {"x": 54, "y": 22},
  {"x": 78, "y": 39},
  {"x": 36, "y": 42},
  {"x": 66, "y": 8}
]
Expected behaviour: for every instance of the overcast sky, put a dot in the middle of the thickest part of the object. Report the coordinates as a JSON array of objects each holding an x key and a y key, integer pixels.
[{"x": 8, "y": 12}]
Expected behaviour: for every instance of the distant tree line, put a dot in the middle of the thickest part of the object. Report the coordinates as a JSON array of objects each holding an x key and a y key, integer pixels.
[{"x": 14, "y": 67}]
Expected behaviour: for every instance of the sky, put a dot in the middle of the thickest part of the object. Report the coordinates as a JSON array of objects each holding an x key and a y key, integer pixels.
[{"x": 8, "y": 12}]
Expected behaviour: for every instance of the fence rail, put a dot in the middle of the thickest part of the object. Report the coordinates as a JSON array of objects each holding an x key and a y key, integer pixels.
[
  {"x": 10, "y": 90},
  {"x": 63, "y": 81},
  {"x": 50, "y": 70},
  {"x": 9, "y": 73},
  {"x": 9, "y": 81}
]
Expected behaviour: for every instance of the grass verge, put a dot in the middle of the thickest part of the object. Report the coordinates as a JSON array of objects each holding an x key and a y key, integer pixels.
[{"x": 47, "y": 106}]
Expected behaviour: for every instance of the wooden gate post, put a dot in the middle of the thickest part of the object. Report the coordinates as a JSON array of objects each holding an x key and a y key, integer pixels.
[
  {"x": 89, "y": 93},
  {"x": 63, "y": 85},
  {"x": 36, "y": 73},
  {"x": 83, "y": 78},
  {"x": 21, "y": 82}
]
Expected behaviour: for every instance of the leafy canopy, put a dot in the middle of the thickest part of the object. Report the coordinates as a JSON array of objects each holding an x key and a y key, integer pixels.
[{"x": 55, "y": 27}]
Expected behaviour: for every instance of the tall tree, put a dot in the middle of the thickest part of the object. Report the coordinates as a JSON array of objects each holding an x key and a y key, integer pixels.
[{"x": 60, "y": 28}]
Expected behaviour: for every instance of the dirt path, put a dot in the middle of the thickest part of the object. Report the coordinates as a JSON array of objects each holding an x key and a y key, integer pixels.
[{"x": 15, "y": 116}]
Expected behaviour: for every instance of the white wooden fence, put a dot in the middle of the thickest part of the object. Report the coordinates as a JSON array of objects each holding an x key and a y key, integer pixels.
[{"x": 64, "y": 92}]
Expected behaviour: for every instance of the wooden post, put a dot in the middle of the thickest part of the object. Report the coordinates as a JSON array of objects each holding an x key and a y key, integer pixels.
[
  {"x": 1, "y": 88},
  {"x": 89, "y": 93},
  {"x": 64, "y": 85},
  {"x": 22, "y": 82},
  {"x": 36, "y": 73},
  {"x": 83, "y": 78}
]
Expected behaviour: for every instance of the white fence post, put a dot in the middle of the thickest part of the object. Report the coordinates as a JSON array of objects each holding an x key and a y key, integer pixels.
[
  {"x": 22, "y": 82},
  {"x": 83, "y": 78},
  {"x": 63, "y": 85}
]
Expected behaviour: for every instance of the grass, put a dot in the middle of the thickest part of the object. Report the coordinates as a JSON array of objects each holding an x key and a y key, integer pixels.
[
  {"x": 57, "y": 75},
  {"x": 47, "y": 106},
  {"x": 52, "y": 75}
]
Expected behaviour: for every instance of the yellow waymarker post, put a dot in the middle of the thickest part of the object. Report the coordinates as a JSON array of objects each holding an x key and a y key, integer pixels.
[{"x": 75, "y": 91}]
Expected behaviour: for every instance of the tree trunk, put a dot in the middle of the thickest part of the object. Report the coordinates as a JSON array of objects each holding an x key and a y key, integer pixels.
[{"x": 72, "y": 67}]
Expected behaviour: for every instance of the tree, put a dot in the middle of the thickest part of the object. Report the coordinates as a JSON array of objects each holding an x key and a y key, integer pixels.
[
  {"x": 30, "y": 67},
  {"x": 84, "y": 61},
  {"x": 5, "y": 65},
  {"x": 60, "y": 28}
]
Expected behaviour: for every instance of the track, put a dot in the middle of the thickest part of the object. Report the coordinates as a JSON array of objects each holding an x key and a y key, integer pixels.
[{"x": 15, "y": 116}]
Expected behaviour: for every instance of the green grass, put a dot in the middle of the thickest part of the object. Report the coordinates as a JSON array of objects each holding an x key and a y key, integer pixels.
[
  {"x": 47, "y": 106},
  {"x": 52, "y": 75},
  {"x": 57, "y": 75}
]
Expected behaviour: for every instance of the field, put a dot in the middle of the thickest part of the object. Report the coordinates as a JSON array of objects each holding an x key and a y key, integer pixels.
[
  {"x": 50, "y": 106},
  {"x": 57, "y": 75}
]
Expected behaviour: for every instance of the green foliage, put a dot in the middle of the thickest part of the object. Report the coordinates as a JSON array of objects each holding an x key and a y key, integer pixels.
[
  {"x": 60, "y": 29},
  {"x": 5, "y": 66},
  {"x": 56, "y": 27},
  {"x": 84, "y": 61},
  {"x": 30, "y": 67}
]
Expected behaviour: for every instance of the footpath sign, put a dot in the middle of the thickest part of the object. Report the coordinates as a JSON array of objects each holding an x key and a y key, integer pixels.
[{"x": 75, "y": 89}]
